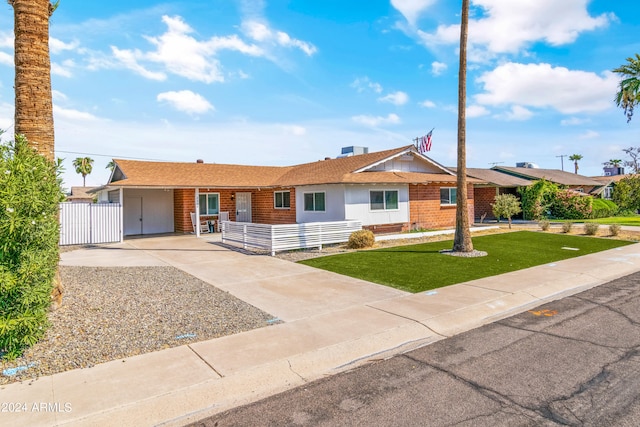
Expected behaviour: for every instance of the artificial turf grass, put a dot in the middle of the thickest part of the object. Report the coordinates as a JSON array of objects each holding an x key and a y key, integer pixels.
[{"x": 418, "y": 268}]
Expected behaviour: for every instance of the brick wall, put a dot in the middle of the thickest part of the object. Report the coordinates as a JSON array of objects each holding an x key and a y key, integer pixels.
[
  {"x": 425, "y": 210},
  {"x": 264, "y": 211},
  {"x": 183, "y": 205},
  {"x": 485, "y": 196}
]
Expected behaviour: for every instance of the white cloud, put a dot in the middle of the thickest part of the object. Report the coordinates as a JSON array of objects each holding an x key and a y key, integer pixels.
[
  {"x": 508, "y": 26},
  {"x": 6, "y": 59},
  {"x": 58, "y": 96},
  {"x": 60, "y": 70},
  {"x": 395, "y": 98},
  {"x": 437, "y": 68},
  {"x": 475, "y": 111},
  {"x": 375, "y": 121},
  {"x": 70, "y": 114},
  {"x": 182, "y": 54},
  {"x": 58, "y": 46},
  {"x": 186, "y": 101},
  {"x": 573, "y": 121},
  {"x": 428, "y": 104},
  {"x": 590, "y": 134},
  {"x": 411, "y": 9},
  {"x": 260, "y": 32},
  {"x": 544, "y": 86},
  {"x": 294, "y": 130},
  {"x": 518, "y": 113},
  {"x": 364, "y": 83}
]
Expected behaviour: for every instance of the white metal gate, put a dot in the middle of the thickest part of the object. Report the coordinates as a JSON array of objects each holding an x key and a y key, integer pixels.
[{"x": 88, "y": 223}]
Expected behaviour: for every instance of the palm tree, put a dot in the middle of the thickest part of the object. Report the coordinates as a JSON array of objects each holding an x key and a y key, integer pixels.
[
  {"x": 462, "y": 240},
  {"x": 84, "y": 166},
  {"x": 33, "y": 103},
  {"x": 111, "y": 165},
  {"x": 628, "y": 95},
  {"x": 615, "y": 163},
  {"x": 575, "y": 158}
]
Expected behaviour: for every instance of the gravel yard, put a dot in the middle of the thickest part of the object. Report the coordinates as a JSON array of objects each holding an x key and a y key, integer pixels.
[{"x": 113, "y": 313}]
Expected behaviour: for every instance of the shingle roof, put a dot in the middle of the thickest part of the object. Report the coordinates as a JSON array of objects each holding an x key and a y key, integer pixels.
[
  {"x": 553, "y": 175},
  {"x": 497, "y": 178},
  {"x": 131, "y": 173}
]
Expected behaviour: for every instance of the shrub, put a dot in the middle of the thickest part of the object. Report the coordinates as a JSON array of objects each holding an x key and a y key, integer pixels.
[
  {"x": 29, "y": 195},
  {"x": 361, "y": 239},
  {"x": 626, "y": 193},
  {"x": 568, "y": 204},
  {"x": 537, "y": 199},
  {"x": 566, "y": 226},
  {"x": 603, "y": 208},
  {"x": 614, "y": 229},
  {"x": 544, "y": 224},
  {"x": 506, "y": 205},
  {"x": 591, "y": 228}
]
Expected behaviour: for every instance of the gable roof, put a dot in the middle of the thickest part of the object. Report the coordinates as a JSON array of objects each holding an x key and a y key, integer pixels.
[
  {"x": 553, "y": 175},
  {"x": 352, "y": 169}
]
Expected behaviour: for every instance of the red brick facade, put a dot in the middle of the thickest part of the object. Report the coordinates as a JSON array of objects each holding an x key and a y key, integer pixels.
[
  {"x": 485, "y": 196},
  {"x": 425, "y": 210}
]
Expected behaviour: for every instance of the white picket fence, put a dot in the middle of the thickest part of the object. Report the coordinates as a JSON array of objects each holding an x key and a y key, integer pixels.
[
  {"x": 282, "y": 237},
  {"x": 89, "y": 223}
]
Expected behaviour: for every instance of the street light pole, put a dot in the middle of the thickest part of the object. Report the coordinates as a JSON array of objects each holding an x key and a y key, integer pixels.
[{"x": 562, "y": 156}]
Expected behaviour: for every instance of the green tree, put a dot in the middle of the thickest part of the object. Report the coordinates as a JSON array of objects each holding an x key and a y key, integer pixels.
[
  {"x": 628, "y": 94},
  {"x": 537, "y": 199},
  {"x": 83, "y": 166},
  {"x": 626, "y": 193},
  {"x": 111, "y": 165},
  {"x": 506, "y": 205},
  {"x": 462, "y": 238},
  {"x": 614, "y": 163},
  {"x": 575, "y": 158}
]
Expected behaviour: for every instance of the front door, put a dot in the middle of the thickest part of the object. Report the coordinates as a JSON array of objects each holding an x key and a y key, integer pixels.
[
  {"x": 132, "y": 212},
  {"x": 243, "y": 207}
]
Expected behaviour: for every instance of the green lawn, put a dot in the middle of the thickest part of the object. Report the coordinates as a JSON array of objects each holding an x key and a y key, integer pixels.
[
  {"x": 417, "y": 268},
  {"x": 622, "y": 220}
]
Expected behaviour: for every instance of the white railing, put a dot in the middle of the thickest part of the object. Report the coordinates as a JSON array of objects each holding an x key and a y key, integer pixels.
[
  {"x": 282, "y": 237},
  {"x": 88, "y": 223}
]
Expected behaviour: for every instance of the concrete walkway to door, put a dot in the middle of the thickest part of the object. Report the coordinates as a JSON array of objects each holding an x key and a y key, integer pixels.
[{"x": 331, "y": 323}]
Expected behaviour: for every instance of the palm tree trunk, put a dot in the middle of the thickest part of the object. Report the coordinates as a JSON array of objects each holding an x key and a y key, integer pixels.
[
  {"x": 33, "y": 103},
  {"x": 462, "y": 240}
]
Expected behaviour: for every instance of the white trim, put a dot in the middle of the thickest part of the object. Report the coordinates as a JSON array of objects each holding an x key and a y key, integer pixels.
[
  {"x": 304, "y": 204},
  {"x": 283, "y": 207},
  {"x": 384, "y": 200}
]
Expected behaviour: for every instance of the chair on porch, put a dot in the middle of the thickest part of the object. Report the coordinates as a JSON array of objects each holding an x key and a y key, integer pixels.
[
  {"x": 223, "y": 216},
  {"x": 204, "y": 226}
]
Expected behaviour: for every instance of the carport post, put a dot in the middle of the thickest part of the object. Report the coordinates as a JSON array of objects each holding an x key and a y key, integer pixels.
[
  {"x": 121, "y": 214},
  {"x": 197, "y": 218}
]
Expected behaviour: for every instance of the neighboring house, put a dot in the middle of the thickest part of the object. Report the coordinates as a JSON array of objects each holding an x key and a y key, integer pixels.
[
  {"x": 81, "y": 195},
  {"x": 608, "y": 183},
  {"x": 388, "y": 191},
  {"x": 494, "y": 183},
  {"x": 580, "y": 183}
]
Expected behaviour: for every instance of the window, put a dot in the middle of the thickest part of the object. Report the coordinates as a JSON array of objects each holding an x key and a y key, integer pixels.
[
  {"x": 282, "y": 199},
  {"x": 608, "y": 191},
  {"x": 209, "y": 203},
  {"x": 314, "y": 202},
  {"x": 383, "y": 200},
  {"x": 448, "y": 196}
]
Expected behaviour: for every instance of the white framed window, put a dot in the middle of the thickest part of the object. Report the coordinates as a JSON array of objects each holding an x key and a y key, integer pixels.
[
  {"x": 209, "y": 204},
  {"x": 314, "y": 202},
  {"x": 386, "y": 200},
  {"x": 608, "y": 192},
  {"x": 448, "y": 195},
  {"x": 282, "y": 199}
]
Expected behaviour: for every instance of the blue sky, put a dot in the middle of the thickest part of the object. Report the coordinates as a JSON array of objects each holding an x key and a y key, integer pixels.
[{"x": 288, "y": 82}]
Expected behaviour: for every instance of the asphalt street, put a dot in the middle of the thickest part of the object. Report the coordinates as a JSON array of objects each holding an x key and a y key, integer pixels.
[{"x": 574, "y": 362}]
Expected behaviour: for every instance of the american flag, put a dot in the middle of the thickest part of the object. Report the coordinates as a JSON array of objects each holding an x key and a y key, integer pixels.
[{"x": 425, "y": 142}]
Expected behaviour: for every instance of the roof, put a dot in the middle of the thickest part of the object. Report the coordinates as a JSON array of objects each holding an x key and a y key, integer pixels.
[
  {"x": 496, "y": 178},
  {"x": 553, "y": 175},
  {"x": 80, "y": 193},
  {"x": 606, "y": 180},
  {"x": 352, "y": 169}
]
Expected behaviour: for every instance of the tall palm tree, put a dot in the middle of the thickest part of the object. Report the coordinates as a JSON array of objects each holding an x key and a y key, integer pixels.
[
  {"x": 628, "y": 95},
  {"x": 462, "y": 240},
  {"x": 575, "y": 158},
  {"x": 111, "y": 165},
  {"x": 615, "y": 163},
  {"x": 33, "y": 103},
  {"x": 83, "y": 166}
]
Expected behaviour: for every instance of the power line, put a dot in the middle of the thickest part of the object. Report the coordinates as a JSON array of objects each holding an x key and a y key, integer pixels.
[{"x": 110, "y": 155}]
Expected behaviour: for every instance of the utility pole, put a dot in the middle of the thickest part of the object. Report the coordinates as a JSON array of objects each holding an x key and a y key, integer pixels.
[{"x": 562, "y": 156}]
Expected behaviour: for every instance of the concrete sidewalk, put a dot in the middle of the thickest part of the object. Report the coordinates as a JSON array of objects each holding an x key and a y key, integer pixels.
[{"x": 332, "y": 323}]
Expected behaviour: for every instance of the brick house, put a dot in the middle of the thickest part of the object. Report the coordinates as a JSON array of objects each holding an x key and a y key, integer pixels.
[{"x": 388, "y": 191}]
